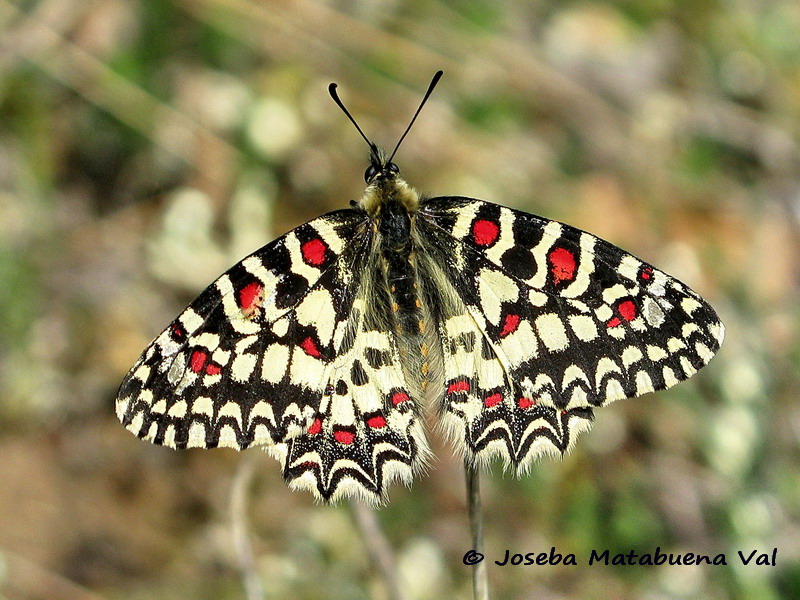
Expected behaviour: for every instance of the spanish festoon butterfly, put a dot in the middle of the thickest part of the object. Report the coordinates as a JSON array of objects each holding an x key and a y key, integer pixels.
[{"x": 325, "y": 346}]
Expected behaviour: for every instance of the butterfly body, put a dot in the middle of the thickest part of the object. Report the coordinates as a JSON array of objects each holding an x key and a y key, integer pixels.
[{"x": 394, "y": 232}]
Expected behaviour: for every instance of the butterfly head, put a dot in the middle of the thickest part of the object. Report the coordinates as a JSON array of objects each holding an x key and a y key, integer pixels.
[
  {"x": 384, "y": 185},
  {"x": 377, "y": 169}
]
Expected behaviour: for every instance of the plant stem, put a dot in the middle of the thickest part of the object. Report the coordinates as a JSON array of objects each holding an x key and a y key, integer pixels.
[
  {"x": 241, "y": 540},
  {"x": 378, "y": 547},
  {"x": 480, "y": 582}
]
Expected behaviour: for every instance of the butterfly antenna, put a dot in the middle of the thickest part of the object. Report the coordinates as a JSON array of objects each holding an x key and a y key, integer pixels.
[
  {"x": 374, "y": 154},
  {"x": 432, "y": 85}
]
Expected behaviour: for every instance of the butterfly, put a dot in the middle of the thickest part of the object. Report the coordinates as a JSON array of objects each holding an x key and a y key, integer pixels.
[{"x": 325, "y": 346}]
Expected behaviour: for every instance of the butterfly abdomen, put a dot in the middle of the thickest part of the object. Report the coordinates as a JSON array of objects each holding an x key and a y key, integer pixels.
[{"x": 409, "y": 314}]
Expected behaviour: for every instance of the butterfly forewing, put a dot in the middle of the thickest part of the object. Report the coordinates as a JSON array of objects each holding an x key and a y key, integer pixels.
[
  {"x": 247, "y": 362},
  {"x": 555, "y": 322}
]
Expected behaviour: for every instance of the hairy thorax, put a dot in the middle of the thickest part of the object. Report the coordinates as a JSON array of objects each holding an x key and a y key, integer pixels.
[{"x": 387, "y": 189}]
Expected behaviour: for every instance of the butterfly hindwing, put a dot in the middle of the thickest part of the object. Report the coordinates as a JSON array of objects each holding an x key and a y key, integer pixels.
[
  {"x": 366, "y": 433},
  {"x": 562, "y": 322}
]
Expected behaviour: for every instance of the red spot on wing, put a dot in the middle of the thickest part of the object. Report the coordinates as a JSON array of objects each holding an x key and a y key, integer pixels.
[
  {"x": 525, "y": 402},
  {"x": 647, "y": 273},
  {"x": 399, "y": 398},
  {"x": 316, "y": 427},
  {"x": 458, "y": 386},
  {"x": 493, "y": 400},
  {"x": 178, "y": 332},
  {"x": 627, "y": 310},
  {"x": 344, "y": 437},
  {"x": 309, "y": 346},
  {"x": 485, "y": 233},
  {"x": 510, "y": 325},
  {"x": 250, "y": 297},
  {"x": 213, "y": 369},
  {"x": 313, "y": 252},
  {"x": 198, "y": 360},
  {"x": 562, "y": 265},
  {"x": 308, "y": 464},
  {"x": 376, "y": 422}
]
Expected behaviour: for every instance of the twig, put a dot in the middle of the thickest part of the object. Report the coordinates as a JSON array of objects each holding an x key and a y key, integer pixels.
[
  {"x": 480, "y": 582},
  {"x": 378, "y": 547},
  {"x": 241, "y": 541}
]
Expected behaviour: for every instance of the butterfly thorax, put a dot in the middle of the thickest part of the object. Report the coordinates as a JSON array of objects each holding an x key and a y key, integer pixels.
[{"x": 385, "y": 188}]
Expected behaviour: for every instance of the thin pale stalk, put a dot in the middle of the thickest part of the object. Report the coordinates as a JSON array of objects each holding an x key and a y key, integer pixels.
[
  {"x": 480, "y": 582},
  {"x": 378, "y": 547},
  {"x": 241, "y": 540}
]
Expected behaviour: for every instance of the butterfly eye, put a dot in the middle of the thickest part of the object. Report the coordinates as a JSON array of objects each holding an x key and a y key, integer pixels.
[
  {"x": 392, "y": 167},
  {"x": 371, "y": 172}
]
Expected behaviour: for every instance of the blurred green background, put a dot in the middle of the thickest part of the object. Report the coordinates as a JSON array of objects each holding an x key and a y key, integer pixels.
[{"x": 146, "y": 146}]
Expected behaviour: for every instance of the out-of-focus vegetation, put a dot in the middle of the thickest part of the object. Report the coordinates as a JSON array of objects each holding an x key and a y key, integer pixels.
[{"x": 146, "y": 146}]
